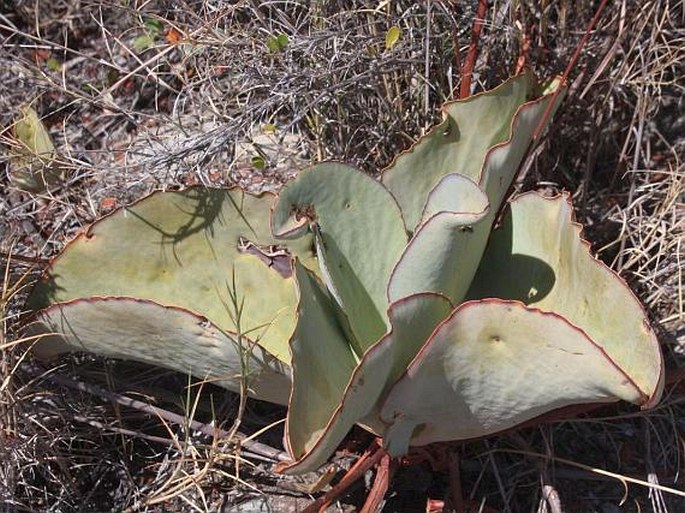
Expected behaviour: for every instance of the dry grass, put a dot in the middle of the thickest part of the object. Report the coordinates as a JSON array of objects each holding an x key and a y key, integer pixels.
[{"x": 129, "y": 115}]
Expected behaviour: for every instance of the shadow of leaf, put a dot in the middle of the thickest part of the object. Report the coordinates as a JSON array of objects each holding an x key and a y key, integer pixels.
[{"x": 507, "y": 275}]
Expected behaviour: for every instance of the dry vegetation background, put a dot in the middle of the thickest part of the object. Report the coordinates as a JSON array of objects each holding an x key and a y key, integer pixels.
[{"x": 142, "y": 95}]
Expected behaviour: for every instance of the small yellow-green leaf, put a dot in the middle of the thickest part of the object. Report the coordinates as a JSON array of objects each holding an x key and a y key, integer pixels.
[
  {"x": 392, "y": 36},
  {"x": 31, "y": 132},
  {"x": 269, "y": 128},
  {"x": 277, "y": 43},
  {"x": 282, "y": 40},
  {"x": 258, "y": 162},
  {"x": 272, "y": 44},
  {"x": 552, "y": 85},
  {"x": 143, "y": 42},
  {"x": 154, "y": 26},
  {"x": 33, "y": 167},
  {"x": 53, "y": 64}
]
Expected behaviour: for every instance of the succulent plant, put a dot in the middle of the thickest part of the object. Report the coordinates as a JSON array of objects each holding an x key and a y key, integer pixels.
[{"x": 406, "y": 312}]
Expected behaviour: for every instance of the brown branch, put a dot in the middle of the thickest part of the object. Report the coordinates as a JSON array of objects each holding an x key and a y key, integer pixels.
[
  {"x": 8, "y": 255},
  {"x": 249, "y": 445}
]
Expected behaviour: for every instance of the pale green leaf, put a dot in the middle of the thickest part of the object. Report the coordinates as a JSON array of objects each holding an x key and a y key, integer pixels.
[
  {"x": 360, "y": 235},
  {"x": 412, "y": 320},
  {"x": 493, "y": 365},
  {"x": 445, "y": 251},
  {"x": 322, "y": 365},
  {"x": 170, "y": 337},
  {"x": 548, "y": 265},
  {"x": 457, "y": 145},
  {"x": 183, "y": 249}
]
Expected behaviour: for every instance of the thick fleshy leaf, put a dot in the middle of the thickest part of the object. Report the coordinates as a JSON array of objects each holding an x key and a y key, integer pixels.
[
  {"x": 161, "y": 335},
  {"x": 360, "y": 235},
  {"x": 183, "y": 249},
  {"x": 492, "y": 365},
  {"x": 503, "y": 160},
  {"x": 413, "y": 320},
  {"x": 444, "y": 253},
  {"x": 323, "y": 362},
  {"x": 456, "y": 194},
  {"x": 445, "y": 248},
  {"x": 548, "y": 265},
  {"x": 457, "y": 145}
]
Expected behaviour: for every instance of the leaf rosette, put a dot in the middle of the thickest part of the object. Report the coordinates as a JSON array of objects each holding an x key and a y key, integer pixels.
[{"x": 408, "y": 310}]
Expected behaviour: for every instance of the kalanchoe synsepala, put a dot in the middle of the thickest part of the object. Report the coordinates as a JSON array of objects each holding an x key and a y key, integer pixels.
[{"x": 408, "y": 312}]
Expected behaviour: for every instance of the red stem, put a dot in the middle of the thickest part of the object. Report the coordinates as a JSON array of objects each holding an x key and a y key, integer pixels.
[
  {"x": 470, "y": 62},
  {"x": 367, "y": 460},
  {"x": 384, "y": 474},
  {"x": 569, "y": 67},
  {"x": 548, "y": 110},
  {"x": 455, "y": 494},
  {"x": 525, "y": 49}
]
